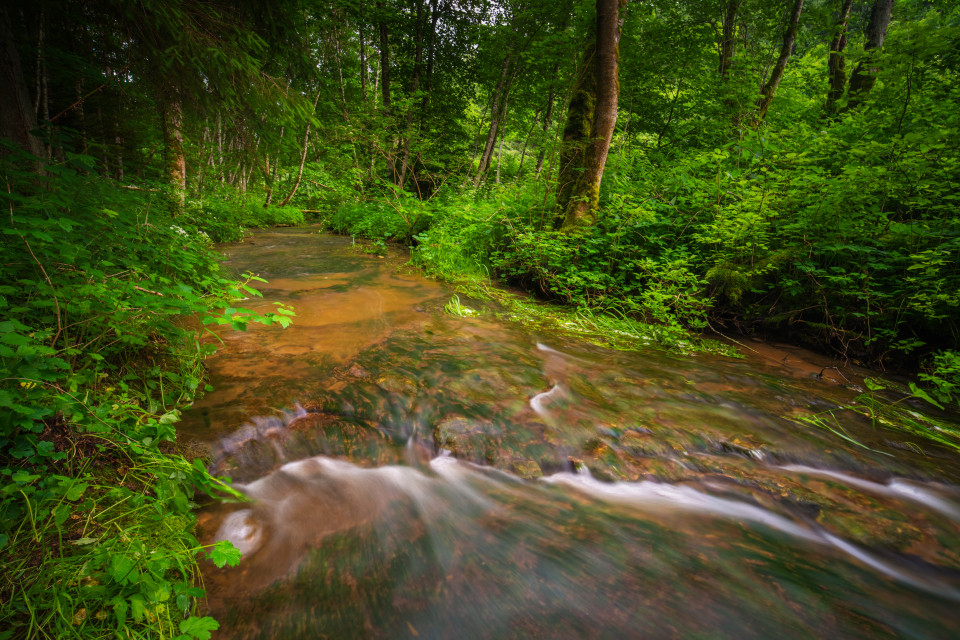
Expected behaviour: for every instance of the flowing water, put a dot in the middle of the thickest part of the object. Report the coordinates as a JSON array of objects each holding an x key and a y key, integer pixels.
[{"x": 417, "y": 474}]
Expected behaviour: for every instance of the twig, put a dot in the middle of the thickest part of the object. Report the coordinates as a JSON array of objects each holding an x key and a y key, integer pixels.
[{"x": 156, "y": 293}]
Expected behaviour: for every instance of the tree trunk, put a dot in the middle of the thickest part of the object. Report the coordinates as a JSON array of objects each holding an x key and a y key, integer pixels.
[
  {"x": 547, "y": 117},
  {"x": 385, "y": 89},
  {"x": 837, "y": 63},
  {"x": 576, "y": 131},
  {"x": 770, "y": 88},
  {"x": 268, "y": 180},
  {"x": 495, "y": 115},
  {"x": 865, "y": 75},
  {"x": 414, "y": 87},
  {"x": 503, "y": 134},
  {"x": 174, "y": 158},
  {"x": 431, "y": 50},
  {"x": 303, "y": 156},
  {"x": 580, "y": 205},
  {"x": 17, "y": 118},
  {"x": 526, "y": 141},
  {"x": 363, "y": 59},
  {"x": 476, "y": 137},
  {"x": 727, "y": 37},
  {"x": 343, "y": 91},
  {"x": 118, "y": 143}
]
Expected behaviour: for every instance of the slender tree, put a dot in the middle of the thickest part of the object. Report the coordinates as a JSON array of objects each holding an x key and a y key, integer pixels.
[
  {"x": 404, "y": 145},
  {"x": 837, "y": 65},
  {"x": 776, "y": 74},
  {"x": 728, "y": 30},
  {"x": 496, "y": 115}
]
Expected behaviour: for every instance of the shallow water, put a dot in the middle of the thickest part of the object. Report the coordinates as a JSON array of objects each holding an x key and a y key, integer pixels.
[{"x": 417, "y": 474}]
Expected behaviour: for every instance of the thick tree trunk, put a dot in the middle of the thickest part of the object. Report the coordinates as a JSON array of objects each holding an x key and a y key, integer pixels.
[
  {"x": 837, "y": 63},
  {"x": 770, "y": 88},
  {"x": 17, "y": 117},
  {"x": 576, "y": 131},
  {"x": 495, "y": 116},
  {"x": 175, "y": 161},
  {"x": 865, "y": 75},
  {"x": 580, "y": 208}
]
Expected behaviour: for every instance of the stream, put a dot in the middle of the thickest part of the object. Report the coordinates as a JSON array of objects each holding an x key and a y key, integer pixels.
[{"x": 413, "y": 473}]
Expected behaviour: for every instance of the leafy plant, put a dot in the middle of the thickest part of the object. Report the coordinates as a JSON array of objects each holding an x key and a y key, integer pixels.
[{"x": 97, "y": 357}]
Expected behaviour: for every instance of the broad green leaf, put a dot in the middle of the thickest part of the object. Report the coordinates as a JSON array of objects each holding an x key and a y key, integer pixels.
[
  {"x": 923, "y": 395},
  {"x": 224, "y": 553},
  {"x": 199, "y": 628}
]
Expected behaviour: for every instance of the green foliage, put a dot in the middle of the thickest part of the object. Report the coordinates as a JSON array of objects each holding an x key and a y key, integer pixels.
[
  {"x": 456, "y": 308},
  {"x": 98, "y": 353},
  {"x": 398, "y": 216},
  {"x": 224, "y": 219},
  {"x": 943, "y": 377}
]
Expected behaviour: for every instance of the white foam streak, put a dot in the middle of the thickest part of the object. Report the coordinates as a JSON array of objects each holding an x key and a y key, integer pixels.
[
  {"x": 453, "y": 483},
  {"x": 666, "y": 498},
  {"x": 536, "y": 402},
  {"x": 895, "y": 488},
  {"x": 658, "y": 497},
  {"x": 930, "y": 585}
]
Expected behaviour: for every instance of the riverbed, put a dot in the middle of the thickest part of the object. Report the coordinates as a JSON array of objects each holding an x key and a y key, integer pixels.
[{"x": 415, "y": 473}]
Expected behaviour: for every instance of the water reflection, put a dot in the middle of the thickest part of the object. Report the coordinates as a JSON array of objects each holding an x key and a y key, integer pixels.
[{"x": 432, "y": 479}]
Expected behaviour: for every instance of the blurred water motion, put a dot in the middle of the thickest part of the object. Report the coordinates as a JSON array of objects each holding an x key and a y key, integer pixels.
[{"x": 463, "y": 477}]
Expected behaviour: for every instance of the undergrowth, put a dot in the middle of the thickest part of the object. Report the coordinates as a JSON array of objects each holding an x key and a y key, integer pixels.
[{"x": 98, "y": 355}]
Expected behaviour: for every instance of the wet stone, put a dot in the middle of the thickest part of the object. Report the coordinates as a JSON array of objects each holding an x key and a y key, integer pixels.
[
  {"x": 528, "y": 469},
  {"x": 467, "y": 438},
  {"x": 357, "y": 371},
  {"x": 397, "y": 384}
]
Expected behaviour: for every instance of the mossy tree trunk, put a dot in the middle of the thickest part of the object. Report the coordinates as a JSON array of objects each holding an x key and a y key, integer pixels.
[{"x": 591, "y": 118}]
